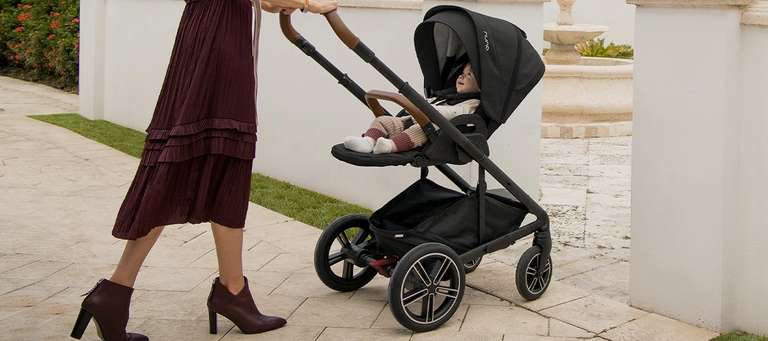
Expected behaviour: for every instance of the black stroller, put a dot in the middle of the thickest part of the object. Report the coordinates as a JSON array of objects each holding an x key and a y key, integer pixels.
[{"x": 428, "y": 237}]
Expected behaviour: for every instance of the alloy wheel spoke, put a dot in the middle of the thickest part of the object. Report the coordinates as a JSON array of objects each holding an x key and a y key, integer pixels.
[
  {"x": 335, "y": 258},
  {"x": 428, "y": 308},
  {"x": 447, "y": 291},
  {"x": 532, "y": 287},
  {"x": 360, "y": 237},
  {"x": 342, "y": 239},
  {"x": 444, "y": 267},
  {"x": 413, "y": 296},
  {"x": 348, "y": 271},
  {"x": 424, "y": 277}
]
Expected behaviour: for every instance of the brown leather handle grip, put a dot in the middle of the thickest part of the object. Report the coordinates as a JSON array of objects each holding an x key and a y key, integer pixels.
[
  {"x": 341, "y": 29},
  {"x": 288, "y": 31},
  {"x": 372, "y": 97}
]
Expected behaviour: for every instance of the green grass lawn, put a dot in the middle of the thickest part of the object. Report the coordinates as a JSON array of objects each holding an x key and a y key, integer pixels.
[
  {"x": 739, "y": 336},
  {"x": 306, "y": 206}
]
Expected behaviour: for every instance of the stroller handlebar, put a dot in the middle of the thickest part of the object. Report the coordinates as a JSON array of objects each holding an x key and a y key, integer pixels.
[
  {"x": 288, "y": 31},
  {"x": 341, "y": 29},
  {"x": 338, "y": 26}
]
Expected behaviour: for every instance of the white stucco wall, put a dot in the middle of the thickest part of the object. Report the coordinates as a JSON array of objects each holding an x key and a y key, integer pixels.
[
  {"x": 617, "y": 15},
  {"x": 747, "y": 233},
  {"x": 699, "y": 165},
  {"x": 139, "y": 38},
  {"x": 302, "y": 110}
]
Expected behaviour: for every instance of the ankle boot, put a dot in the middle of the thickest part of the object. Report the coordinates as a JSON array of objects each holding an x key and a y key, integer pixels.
[
  {"x": 107, "y": 303},
  {"x": 240, "y": 309}
]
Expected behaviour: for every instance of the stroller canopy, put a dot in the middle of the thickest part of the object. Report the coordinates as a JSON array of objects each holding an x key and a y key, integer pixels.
[{"x": 505, "y": 64}]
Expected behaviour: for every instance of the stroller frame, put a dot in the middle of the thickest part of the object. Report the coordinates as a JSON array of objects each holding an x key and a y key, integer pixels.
[{"x": 360, "y": 251}]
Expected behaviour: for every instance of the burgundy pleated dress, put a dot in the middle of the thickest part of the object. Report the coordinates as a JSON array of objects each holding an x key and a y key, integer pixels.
[{"x": 198, "y": 155}]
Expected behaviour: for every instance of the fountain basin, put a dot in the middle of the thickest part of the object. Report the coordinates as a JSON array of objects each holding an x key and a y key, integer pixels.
[
  {"x": 572, "y": 34},
  {"x": 590, "y": 99}
]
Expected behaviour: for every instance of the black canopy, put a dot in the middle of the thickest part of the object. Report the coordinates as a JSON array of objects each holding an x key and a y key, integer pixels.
[{"x": 505, "y": 64}]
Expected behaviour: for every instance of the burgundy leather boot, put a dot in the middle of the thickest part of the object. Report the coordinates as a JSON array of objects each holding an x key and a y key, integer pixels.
[
  {"x": 107, "y": 303},
  {"x": 240, "y": 309}
]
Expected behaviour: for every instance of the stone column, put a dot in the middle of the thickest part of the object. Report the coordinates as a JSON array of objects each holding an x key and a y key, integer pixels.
[
  {"x": 687, "y": 163},
  {"x": 746, "y": 262},
  {"x": 92, "y": 43}
]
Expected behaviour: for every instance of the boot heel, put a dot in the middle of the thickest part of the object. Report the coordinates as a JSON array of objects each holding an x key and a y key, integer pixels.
[
  {"x": 212, "y": 322},
  {"x": 81, "y": 323}
]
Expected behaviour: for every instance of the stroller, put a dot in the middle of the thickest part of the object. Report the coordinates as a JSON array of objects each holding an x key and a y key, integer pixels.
[{"x": 428, "y": 237}]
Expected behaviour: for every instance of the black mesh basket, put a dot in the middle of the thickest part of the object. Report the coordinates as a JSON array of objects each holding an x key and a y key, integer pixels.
[{"x": 426, "y": 212}]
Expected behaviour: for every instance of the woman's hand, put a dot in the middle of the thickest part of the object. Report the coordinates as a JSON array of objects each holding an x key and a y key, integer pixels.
[
  {"x": 288, "y": 6},
  {"x": 322, "y": 6},
  {"x": 272, "y": 8}
]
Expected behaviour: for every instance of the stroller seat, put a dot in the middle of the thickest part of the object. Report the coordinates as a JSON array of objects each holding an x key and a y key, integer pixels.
[{"x": 440, "y": 151}]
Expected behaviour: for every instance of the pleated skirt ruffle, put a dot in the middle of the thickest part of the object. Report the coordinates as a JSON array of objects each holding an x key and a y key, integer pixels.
[{"x": 198, "y": 154}]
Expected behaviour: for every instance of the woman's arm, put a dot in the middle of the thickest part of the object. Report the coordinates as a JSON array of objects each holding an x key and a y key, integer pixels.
[{"x": 315, "y": 6}]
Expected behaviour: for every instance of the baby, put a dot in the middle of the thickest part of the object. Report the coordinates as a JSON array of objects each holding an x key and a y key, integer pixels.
[{"x": 388, "y": 134}]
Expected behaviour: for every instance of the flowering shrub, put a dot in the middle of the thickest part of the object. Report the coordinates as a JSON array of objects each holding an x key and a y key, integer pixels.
[{"x": 41, "y": 37}]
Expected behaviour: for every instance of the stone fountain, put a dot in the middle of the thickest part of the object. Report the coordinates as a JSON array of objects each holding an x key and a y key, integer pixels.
[{"x": 583, "y": 97}]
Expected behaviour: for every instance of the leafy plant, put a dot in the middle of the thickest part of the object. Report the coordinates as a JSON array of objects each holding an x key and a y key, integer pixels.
[
  {"x": 41, "y": 37},
  {"x": 597, "y": 48}
]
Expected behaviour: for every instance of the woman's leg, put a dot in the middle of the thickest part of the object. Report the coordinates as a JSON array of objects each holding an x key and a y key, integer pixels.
[
  {"x": 229, "y": 252},
  {"x": 134, "y": 254},
  {"x": 230, "y": 295},
  {"x": 109, "y": 301}
]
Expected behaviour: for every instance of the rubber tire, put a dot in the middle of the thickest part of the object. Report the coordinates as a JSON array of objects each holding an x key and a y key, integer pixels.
[
  {"x": 472, "y": 265},
  {"x": 530, "y": 284},
  {"x": 404, "y": 279},
  {"x": 335, "y": 233}
]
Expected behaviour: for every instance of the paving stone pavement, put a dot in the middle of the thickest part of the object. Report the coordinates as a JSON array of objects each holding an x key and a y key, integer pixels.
[{"x": 59, "y": 193}]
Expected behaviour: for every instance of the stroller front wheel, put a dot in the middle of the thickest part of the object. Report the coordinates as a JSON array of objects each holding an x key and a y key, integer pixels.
[
  {"x": 426, "y": 287},
  {"x": 332, "y": 257},
  {"x": 472, "y": 265},
  {"x": 531, "y": 283}
]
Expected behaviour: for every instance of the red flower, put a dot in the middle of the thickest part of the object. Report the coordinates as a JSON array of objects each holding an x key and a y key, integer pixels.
[
  {"x": 23, "y": 16},
  {"x": 55, "y": 24},
  {"x": 19, "y": 29},
  {"x": 75, "y": 20},
  {"x": 57, "y": 58},
  {"x": 51, "y": 36},
  {"x": 27, "y": 51},
  {"x": 27, "y": 6}
]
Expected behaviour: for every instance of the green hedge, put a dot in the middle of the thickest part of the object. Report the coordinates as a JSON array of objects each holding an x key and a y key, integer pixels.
[{"x": 40, "y": 39}]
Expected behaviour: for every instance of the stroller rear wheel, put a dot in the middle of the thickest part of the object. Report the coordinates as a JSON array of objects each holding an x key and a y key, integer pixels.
[
  {"x": 531, "y": 283},
  {"x": 426, "y": 287},
  {"x": 333, "y": 263}
]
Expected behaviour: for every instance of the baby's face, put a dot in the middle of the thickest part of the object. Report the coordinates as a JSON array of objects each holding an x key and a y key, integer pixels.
[{"x": 466, "y": 81}]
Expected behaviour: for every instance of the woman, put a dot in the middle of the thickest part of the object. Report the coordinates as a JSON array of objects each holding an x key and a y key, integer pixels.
[{"x": 197, "y": 160}]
